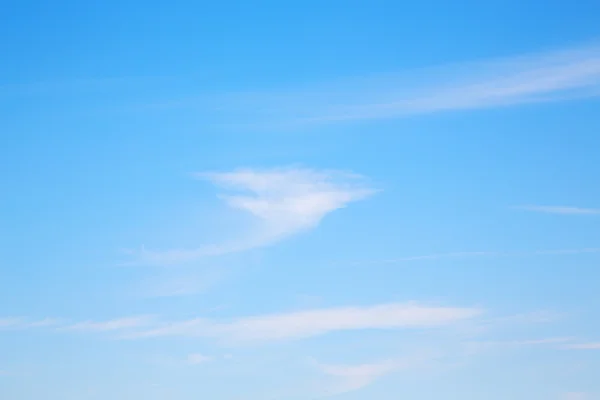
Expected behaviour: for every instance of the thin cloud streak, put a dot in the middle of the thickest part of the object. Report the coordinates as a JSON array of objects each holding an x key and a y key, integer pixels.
[
  {"x": 348, "y": 378},
  {"x": 488, "y": 345},
  {"x": 316, "y": 322},
  {"x": 534, "y": 78},
  {"x": 61, "y": 325},
  {"x": 533, "y": 342},
  {"x": 20, "y": 323},
  {"x": 584, "y": 346},
  {"x": 111, "y": 325},
  {"x": 10, "y": 322},
  {"x": 351, "y": 377},
  {"x": 283, "y": 202},
  {"x": 565, "y": 210},
  {"x": 475, "y": 254},
  {"x": 438, "y": 256},
  {"x": 197, "y": 358},
  {"x": 576, "y": 396}
]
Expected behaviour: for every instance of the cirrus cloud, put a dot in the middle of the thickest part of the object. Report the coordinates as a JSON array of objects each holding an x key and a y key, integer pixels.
[
  {"x": 315, "y": 322},
  {"x": 282, "y": 201}
]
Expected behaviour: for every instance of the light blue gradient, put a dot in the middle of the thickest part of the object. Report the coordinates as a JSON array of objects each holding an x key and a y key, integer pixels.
[{"x": 464, "y": 120}]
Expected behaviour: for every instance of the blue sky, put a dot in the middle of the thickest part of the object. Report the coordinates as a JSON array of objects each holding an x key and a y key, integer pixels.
[{"x": 300, "y": 200}]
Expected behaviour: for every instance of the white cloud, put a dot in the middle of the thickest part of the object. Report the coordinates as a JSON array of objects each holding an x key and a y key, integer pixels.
[
  {"x": 504, "y": 323},
  {"x": 119, "y": 324},
  {"x": 43, "y": 323},
  {"x": 476, "y": 347},
  {"x": 540, "y": 77},
  {"x": 348, "y": 378},
  {"x": 428, "y": 257},
  {"x": 111, "y": 325},
  {"x": 587, "y": 250},
  {"x": 566, "y": 210},
  {"x": 19, "y": 323},
  {"x": 197, "y": 358},
  {"x": 535, "y": 317},
  {"x": 310, "y": 323},
  {"x": 576, "y": 396},
  {"x": 289, "y": 200},
  {"x": 10, "y": 322},
  {"x": 533, "y": 342},
  {"x": 283, "y": 201},
  {"x": 475, "y": 254},
  {"x": 584, "y": 346}
]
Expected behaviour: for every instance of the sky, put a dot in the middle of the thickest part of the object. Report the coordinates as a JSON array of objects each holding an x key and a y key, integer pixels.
[{"x": 300, "y": 200}]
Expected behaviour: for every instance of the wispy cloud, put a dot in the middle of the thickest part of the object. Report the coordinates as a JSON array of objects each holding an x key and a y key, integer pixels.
[
  {"x": 273, "y": 327},
  {"x": 534, "y": 342},
  {"x": 197, "y": 358},
  {"x": 10, "y": 322},
  {"x": 113, "y": 325},
  {"x": 576, "y": 396},
  {"x": 490, "y": 324},
  {"x": 474, "y": 254},
  {"x": 536, "y": 317},
  {"x": 586, "y": 250},
  {"x": 584, "y": 346},
  {"x": 19, "y": 323},
  {"x": 540, "y": 77},
  {"x": 283, "y": 202},
  {"x": 566, "y": 210},
  {"x": 476, "y": 347},
  {"x": 118, "y": 324},
  {"x": 427, "y": 257},
  {"x": 348, "y": 378},
  {"x": 316, "y": 322}
]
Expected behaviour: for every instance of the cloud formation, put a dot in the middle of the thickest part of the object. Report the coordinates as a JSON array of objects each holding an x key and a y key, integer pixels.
[
  {"x": 348, "y": 378},
  {"x": 197, "y": 358},
  {"x": 584, "y": 346},
  {"x": 19, "y": 323},
  {"x": 566, "y": 210},
  {"x": 476, "y": 254},
  {"x": 533, "y": 78},
  {"x": 283, "y": 202},
  {"x": 480, "y": 346},
  {"x": 118, "y": 324},
  {"x": 576, "y": 396},
  {"x": 316, "y": 322}
]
